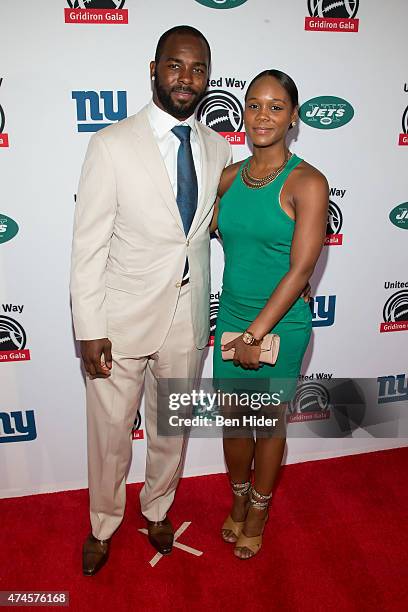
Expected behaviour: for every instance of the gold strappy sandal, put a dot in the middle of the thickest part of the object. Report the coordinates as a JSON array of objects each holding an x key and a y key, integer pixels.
[
  {"x": 253, "y": 543},
  {"x": 241, "y": 489}
]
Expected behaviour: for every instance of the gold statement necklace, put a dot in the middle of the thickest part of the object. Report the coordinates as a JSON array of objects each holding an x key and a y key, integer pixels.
[{"x": 257, "y": 183}]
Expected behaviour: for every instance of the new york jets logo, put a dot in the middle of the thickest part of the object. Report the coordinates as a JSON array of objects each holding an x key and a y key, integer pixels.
[
  {"x": 8, "y": 228},
  {"x": 221, "y": 111},
  {"x": 96, "y": 4},
  {"x": 221, "y": 4},
  {"x": 326, "y": 112},
  {"x": 335, "y": 219},
  {"x": 399, "y": 216},
  {"x": 343, "y": 9}
]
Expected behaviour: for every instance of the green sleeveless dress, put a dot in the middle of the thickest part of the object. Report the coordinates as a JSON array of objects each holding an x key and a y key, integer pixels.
[{"x": 257, "y": 237}]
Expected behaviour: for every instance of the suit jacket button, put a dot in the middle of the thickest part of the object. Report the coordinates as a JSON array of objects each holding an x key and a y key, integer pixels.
[
  {"x": 178, "y": 285},
  {"x": 188, "y": 243}
]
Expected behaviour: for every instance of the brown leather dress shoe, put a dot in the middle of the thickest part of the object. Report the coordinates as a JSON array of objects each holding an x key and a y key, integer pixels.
[
  {"x": 161, "y": 535},
  {"x": 95, "y": 553}
]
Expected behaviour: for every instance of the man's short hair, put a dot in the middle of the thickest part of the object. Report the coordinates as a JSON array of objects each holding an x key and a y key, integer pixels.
[{"x": 181, "y": 29}]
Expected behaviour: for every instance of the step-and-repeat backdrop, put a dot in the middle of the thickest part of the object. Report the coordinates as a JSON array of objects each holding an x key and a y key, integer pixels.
[{"x": 70, "y": 67}]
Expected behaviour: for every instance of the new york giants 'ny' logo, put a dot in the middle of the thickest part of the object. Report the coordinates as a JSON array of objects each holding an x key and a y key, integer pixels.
[
  {"x": 392, "y": 388},
  {"x": 96, "y": 110},
  {"x": 14, "y": 429},
  {"x": 323, "y": 310}
]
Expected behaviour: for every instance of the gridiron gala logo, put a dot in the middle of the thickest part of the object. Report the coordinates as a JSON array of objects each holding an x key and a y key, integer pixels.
[
  {"x": 403, "y": 137},
  {"x": 311, "y": 403},
  {"x": 96, "y": 11},
  {"x": 96, "y": 4},
  {"x": 334, "y": 225},
  {"x": 12, "y": 339},
  {"x": 223, "y": 112},
  {"x": 137, "y": 433},
  {"x": 332, "y": 16},
  {"x": 4, "y": 140},
  {"x": 395, "y": 311}
]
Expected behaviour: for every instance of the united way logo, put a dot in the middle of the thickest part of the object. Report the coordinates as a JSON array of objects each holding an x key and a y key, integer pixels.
[
  {"x": 326, "y": 112},
  {"x": 334, "y": 225},
  {"x": 392, "y": 388},
  {"x": 221, "y": 4},
  {"x": 4, "y": 139},
  {"x": 96, "y": 11},
  {"x": 95, "y": 110},
  {"x": 223, "y": 112},
  {"x": 329, "y": 16},
  {"x": 323, "y": 309},
  {"x": 403, "y": 137},
  {"x": 395, "y": 312},
  {"x": 12, "y": 339},
  {"x": 137, "y": 433},
  {"x": 311, "y": 403},
  {"x": 214, "y": 307},
  {"x": 17, "y": 426}
]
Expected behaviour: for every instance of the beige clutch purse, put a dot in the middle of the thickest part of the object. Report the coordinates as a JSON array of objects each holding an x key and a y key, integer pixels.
[{"x": 269, "y": 347}]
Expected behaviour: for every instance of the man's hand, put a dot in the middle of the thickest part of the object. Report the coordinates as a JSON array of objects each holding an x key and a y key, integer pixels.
[
  {"x": 306, "y": 293},
  {"x": 92, "y": 351}
]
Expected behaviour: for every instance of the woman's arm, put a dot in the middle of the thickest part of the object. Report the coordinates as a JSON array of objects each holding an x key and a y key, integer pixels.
[{"x": 311, "y": 207}]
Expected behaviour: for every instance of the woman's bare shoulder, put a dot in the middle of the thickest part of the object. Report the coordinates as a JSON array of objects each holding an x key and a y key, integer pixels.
[
  {"x": 308, "y": 175},
  {"x": 309, "y": 186},
  {"x": 227, "y": 178}
]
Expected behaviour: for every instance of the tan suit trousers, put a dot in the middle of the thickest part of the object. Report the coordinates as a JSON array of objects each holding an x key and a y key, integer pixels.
[{"x": 112, "y": 405}]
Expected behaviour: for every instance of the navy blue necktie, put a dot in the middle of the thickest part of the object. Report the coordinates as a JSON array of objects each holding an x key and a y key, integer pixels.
[{"x": 187, "y": 187}]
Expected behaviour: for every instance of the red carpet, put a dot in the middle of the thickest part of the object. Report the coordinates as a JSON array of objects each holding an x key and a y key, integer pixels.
[{"x": 337, "y": 539}]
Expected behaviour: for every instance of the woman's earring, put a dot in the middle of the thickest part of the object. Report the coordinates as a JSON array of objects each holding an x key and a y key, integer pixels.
[{"x": 293, "y": 124}]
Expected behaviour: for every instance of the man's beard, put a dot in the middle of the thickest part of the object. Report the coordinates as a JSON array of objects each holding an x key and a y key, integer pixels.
[{"x": 179, "y": 110}]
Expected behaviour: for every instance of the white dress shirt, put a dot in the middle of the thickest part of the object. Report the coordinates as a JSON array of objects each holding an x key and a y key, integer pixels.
[{"x": 162, "y": 123}]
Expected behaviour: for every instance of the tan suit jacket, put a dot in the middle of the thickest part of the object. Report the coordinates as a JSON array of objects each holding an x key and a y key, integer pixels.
[{"x": 129, "y": 245}]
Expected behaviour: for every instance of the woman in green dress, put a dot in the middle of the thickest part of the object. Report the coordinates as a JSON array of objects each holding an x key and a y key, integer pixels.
[{"x": 271, "y": 214}]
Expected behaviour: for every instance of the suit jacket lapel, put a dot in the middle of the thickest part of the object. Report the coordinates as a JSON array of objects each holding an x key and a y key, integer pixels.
[
  {"x": 150, "y": 156},
  {"x": 208, "y": 158}
]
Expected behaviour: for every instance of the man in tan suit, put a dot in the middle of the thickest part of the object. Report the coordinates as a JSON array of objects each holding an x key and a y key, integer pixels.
[{"x": 140, "y": 281}]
